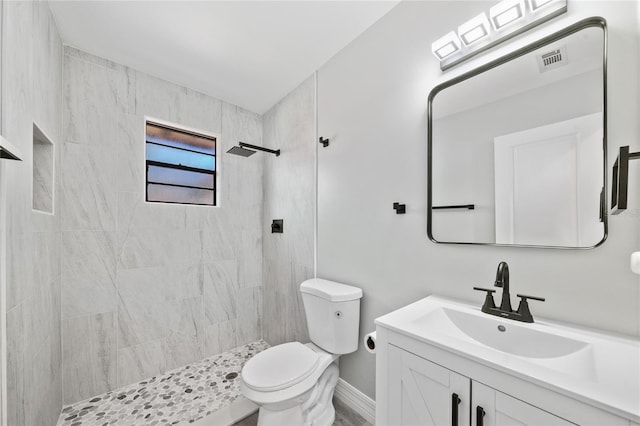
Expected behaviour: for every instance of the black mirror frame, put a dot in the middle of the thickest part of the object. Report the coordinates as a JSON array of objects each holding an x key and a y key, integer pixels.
[{"x": 595, "y": 21}]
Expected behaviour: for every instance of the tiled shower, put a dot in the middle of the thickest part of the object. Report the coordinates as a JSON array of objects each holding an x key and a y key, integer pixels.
[
  {"x": 153, "y": 286},
  {"x": 109, "y": 290}
]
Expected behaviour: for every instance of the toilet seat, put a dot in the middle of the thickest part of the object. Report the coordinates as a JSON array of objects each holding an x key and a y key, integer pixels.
[
  {"x": 292, "y": 391},
  {"x": 280, "y": 367}
]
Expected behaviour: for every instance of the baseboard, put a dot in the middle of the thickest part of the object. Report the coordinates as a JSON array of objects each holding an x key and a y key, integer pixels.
[{"x": 356, "y": 400}]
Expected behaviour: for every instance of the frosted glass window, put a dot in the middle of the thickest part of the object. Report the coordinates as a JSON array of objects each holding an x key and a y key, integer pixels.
[{"x": 180, "y": 166}]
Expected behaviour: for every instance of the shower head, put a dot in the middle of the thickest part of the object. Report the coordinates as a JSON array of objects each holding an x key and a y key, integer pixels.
[
  {"x": 238, "y": 150},
  {"x": 242, "y": 150}
]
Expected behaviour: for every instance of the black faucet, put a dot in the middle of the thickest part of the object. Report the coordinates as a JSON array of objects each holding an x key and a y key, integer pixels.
[
  {"x": 502, "y": 280},
  {"x": 505, "y": 311}
]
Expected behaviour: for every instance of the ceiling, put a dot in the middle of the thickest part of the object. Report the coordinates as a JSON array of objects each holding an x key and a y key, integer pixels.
[{"x": 248, "y": 53}]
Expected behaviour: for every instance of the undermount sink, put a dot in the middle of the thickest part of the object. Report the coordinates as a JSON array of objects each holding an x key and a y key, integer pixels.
[{"x": 503, "y": 335}]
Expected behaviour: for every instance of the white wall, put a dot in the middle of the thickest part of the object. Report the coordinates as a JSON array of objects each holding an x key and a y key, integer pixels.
[{"x": 372, "y": 104}]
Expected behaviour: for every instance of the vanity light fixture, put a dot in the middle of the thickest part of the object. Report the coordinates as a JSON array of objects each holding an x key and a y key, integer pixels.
[
  {"x": 507, "y": 19},
  {"x": 475, "y": 29},
  {"x": 507, "y": 12},
  {"x": 446, "y": 46},
  {"x": 537, "y": 4}
]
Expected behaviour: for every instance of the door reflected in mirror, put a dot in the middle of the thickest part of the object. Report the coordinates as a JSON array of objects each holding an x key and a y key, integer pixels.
[{"x": 517, "y": 148}]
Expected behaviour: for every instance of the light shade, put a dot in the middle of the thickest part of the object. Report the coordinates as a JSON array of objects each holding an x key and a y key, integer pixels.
[
  {"x": 505, "y": 20},
  {"x": 506, "y": 12},
  {"x": 474, "y": 29},
  {"x": 446, "y": 46},
  {"x": 537, "y": 4}
]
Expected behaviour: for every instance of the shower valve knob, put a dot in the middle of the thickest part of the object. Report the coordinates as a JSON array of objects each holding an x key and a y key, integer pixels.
[{"x": 277, "y": 226}]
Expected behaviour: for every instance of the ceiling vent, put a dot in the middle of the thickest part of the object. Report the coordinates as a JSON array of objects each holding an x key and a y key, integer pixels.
[{"x": 553, "y": 59}]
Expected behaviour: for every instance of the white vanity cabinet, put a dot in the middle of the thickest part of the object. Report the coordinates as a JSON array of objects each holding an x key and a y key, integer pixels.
[
  {"x": 421, "y": 392},
  {"x": 431, "y": 371}
]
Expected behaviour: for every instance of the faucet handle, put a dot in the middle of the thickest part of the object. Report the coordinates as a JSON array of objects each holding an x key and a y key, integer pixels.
[
  {"x": 523, "y": 308},
  {"x": 525, "y": 297},
  {"x": 488, "y": 300},
  {"x": 488, "y": 290}
]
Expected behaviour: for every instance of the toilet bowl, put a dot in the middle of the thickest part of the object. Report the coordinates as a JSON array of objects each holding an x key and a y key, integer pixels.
[
  {"x": 293, "y": 383},
  {"x": 285, "y": 381}
]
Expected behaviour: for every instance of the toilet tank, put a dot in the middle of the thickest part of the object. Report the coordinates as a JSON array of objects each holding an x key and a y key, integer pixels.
[{"x": 333, "y": 314}]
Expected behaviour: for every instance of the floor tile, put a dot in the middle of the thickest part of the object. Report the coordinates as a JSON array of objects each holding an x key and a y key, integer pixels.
[{"x": 180, "y": 396}]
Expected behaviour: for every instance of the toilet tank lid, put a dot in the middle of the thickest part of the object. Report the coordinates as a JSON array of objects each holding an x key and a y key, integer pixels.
[{"x": 331, "y": 290}]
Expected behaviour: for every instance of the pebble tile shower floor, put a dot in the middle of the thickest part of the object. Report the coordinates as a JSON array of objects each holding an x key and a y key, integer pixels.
[{"x": 180, "y": 396}]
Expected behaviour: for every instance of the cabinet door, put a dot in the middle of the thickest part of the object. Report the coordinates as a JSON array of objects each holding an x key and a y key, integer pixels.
[
  {"x": 502, "y": 410},
  {"x": 426, "y": 394}
]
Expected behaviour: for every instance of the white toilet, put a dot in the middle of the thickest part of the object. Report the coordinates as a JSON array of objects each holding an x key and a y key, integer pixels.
[{"x": 293, "y": 383}]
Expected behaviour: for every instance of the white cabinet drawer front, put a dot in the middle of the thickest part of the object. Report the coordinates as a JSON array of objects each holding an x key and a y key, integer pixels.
[
  {"x": 503, "y": 410},
  {"x": 420, "y": 392}
]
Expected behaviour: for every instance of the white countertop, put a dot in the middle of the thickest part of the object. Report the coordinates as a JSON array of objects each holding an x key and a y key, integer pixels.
[{"x": 602, "y": 370}]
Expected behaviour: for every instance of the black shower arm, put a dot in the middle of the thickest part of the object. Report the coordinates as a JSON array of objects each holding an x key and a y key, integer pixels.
[{"x": 259, "y": 148}]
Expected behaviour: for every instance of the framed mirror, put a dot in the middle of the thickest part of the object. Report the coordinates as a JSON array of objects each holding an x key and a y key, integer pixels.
[{"x": 517, "y": 147}]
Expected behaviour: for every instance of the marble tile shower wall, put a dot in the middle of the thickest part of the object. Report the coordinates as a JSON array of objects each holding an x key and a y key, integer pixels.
[
  {"x": 31, "y": 78},
  {"x": 290, "y": 194},
  {"x": 149, "y": 287}
]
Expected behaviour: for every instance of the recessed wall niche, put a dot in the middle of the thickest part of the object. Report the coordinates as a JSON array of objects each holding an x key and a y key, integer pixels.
[{"x": 43, "y": 155}]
